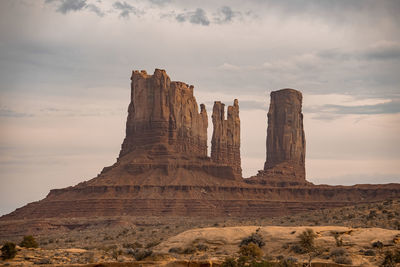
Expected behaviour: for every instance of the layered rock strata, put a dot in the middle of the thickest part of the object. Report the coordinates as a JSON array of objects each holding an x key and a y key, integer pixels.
[
  {"x": 163, "y": 117},
  {"x": 286, "y": 143},
  {"x": 166, "y": 135},
  {"x": 163, "y": 168},
  {"x": 225, "y": 143},
  {"x": 183, "y": 200}
]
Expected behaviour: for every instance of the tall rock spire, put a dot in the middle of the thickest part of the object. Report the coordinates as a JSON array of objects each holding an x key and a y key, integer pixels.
[
  {"x": 225, "y": 143},
  {"x": 286, "y": 145}
]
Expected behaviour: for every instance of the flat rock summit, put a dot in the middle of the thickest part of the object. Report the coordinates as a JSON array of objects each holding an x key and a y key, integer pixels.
[{"x": 163, "y": 168}]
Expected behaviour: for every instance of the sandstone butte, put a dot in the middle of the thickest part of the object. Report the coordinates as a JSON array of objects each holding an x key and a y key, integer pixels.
[{"x": 163, "y": 168}]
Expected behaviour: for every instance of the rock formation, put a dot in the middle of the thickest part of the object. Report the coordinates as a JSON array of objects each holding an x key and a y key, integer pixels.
[
  {"x": 286, "y": 144},
  {"x": 166, "y": 133},
  {"x": 225, "y": 143},
  {"x": 163, "y": 117},
  {"x": 163, "y": 168}
]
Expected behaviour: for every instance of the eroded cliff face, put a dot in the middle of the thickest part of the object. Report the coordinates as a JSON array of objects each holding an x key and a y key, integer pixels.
[
  {"x": 163, "y": 117},
  {"x": 163, "y": 168},
  {"x": 286, "y": 143},
  {"x": 225, "y": 143},
  {"x": 166, "y": 137}
]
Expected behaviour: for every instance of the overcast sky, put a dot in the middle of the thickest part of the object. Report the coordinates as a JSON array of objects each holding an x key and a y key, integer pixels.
[{"x": 66, "y": 65}]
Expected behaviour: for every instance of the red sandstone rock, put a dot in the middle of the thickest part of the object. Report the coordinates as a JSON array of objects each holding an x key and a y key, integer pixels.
[
  {"x": 163, "y": 168},
  {"x": 286, "y": 144},
  {"x": 225, "y": 143},
  {"x": 163, "y": 117}
]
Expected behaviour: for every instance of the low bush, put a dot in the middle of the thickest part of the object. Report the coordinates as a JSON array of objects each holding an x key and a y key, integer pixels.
[
  {"x": 338, "y": 238},
  {"x": 134, "y": 245},
  {"x": 8, "y": 251},
  {"x": 338, "y": 252},
  {"x": 298, "y": 249},
  {"x": 251, "y": 251},
  {"x": 201, "y": 247},
  {"x": 377, "y": 244},
  {"x": 391, "y": 259},
  {"x": 307, "y": 238},
  {"x": 343, "y": 260},
  {"x": 229, "y": 262},
  {"x": 254, "y": 238},
  {"x": 152, "y": 244},
  {"x": 288, "y": 262},
  {"x": 369, "y": 252},
  {"x": 189, "y": 250},
  {"x": 43, "y": 261},
  {"x": 29, "y": 242},
  {"x": 175, "y": 250},
  {"x": 142, "y": 254}
]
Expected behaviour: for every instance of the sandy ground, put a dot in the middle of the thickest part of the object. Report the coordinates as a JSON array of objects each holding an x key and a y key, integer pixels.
[{"x": 279, "y": 240}]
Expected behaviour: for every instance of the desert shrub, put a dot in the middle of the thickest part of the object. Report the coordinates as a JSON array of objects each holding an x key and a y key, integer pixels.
[
  {"x": 175, "y": 250},
  {"x": 338, "y": 238},
  {"x": 343, "y": 260},
  {"x": 388, "y": 202},
  {"x": 307, "y": 238},
  {"x": 338, "y": 252},
  {"x": 134, "y": 245},
  {"x": 141, "y": 254},
  {"x": 377, "y": 244},
  {"x": 372, "y": 214},
  {"x": 369, "y": 252},
  {"x": 251, "y": 251},
  {"x": 189, "y": 250},
  {"x": 29, "y": 242},
  {"x": 8, "y": 251},
  {"x": 202, "y": 247},
  {"x": 43, "y": 261},
  {"x": 116, "y": 253},
  {"x": 298, "y": 249},
  {"x": 391, "y": 258},
  {"x": 288, "y": 262},
  {"x": 254, "y": 238},
  {"x": 89, "y": 257},
  {"x": 152, "y": 244},
  {"x": 229, "y": 262}
]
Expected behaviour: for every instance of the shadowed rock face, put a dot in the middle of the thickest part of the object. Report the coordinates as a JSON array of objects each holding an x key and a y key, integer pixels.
[
  {"x": 225, "y": 143},
  {"x": 286, "y": 143},
  {"x": 166, "y": 137},
  {"x": 163, "y": 117}
]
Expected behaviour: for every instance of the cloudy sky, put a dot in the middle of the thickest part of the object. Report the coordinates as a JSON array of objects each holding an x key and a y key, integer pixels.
[{"x": 65, "y": 67}]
